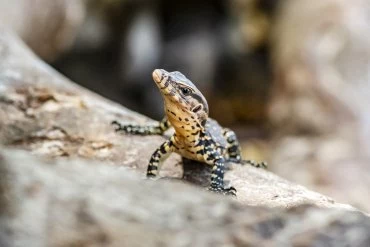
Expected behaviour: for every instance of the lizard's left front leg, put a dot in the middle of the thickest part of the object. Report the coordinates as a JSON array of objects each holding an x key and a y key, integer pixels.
[{"x": 158, "y": 156}]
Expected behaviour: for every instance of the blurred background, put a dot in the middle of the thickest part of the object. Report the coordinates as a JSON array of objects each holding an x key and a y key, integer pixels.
[
  {"x": 291, "y": 77},
  {"x": 220, "y": 45}
]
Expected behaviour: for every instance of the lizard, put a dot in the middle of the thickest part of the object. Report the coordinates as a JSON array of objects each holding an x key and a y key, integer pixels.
[{"x": 196, "y": 136}]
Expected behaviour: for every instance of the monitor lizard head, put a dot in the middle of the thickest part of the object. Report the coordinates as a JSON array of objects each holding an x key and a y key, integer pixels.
[{"x": 182, "y": 100}]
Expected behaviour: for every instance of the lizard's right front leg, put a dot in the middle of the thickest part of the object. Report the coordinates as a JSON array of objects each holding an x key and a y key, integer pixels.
[
  {"x": 157, "y": 157},
  {"x": 162, "y": 126}
]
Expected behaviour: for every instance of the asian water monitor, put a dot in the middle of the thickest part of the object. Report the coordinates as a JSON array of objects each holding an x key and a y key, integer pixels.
[{"x": 197, "y": 137}]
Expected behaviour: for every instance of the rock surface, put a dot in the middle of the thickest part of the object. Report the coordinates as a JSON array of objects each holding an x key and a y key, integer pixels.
[
  {"x": 320, "y": 101},
  {"x": 70, "y": 202}
]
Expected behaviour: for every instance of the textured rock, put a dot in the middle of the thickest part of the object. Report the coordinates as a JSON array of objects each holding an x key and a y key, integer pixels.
[
  {"x": 48, "y": 27},
  {"x": 320, "y": 100},
  {"x": 70, "y": 202}
]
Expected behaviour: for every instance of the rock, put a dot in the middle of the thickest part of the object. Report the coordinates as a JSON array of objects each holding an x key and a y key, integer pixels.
[
  {"x": 73, "y": 202},
  {"x": 319, "y": 110},
  {"x": 48, "y": 27},
  {"x": 48, "y": 115}
]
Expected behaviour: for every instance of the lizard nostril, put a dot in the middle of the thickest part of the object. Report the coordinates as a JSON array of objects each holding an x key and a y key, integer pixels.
[{"x": 197, "y": 108}]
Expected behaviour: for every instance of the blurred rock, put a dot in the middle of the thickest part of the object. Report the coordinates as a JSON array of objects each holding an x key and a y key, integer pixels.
[
  {"x": 48, "y": 27},
  {"x": 319, "y": 110},
  {"x": 71, "y": 202}
]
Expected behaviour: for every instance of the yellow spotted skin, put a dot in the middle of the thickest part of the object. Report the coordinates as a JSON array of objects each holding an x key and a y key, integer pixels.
[{"x": 197, "y": 137}]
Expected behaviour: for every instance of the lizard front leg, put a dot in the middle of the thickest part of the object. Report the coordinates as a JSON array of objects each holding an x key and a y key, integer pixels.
[
  {"x": 158, "y": 156},
  {"x": 217, "y": 179},
  {"x": 212, "y": 156},
  {"x": 159, "y": 129}
]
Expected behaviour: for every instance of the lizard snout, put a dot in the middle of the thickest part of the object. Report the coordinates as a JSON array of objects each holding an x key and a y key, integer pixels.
[{"x": 157, "y": 75}]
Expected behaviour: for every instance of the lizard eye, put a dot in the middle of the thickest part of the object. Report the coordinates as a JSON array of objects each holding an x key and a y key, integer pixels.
[{"x": 185, "y": 91}]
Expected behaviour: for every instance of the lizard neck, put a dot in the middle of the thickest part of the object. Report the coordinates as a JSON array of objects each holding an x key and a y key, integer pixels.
[{"x": 186, "y": 127}]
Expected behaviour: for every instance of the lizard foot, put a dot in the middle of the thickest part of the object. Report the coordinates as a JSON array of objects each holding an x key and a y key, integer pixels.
[
  {"x": 151, "y": 176},
  {"x": 117, "y": 126},
  {"x": 224, "y": 191}
]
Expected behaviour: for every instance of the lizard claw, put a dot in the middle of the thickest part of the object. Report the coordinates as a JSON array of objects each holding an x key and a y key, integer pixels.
[
  {"x": 263, "y": 165},
  {"x": 117, "y": 126},
  {"x": 151, "y": 176}
]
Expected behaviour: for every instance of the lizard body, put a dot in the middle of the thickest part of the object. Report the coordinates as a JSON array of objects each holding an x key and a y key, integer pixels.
[{"x": 197, "y": 137}]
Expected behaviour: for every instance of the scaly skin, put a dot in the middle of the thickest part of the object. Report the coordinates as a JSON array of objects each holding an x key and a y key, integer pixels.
[{"x": 196, "y": 136}]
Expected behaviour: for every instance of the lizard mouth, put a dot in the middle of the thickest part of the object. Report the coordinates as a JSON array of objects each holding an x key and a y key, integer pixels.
[{"x": 197, "y": 108}]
